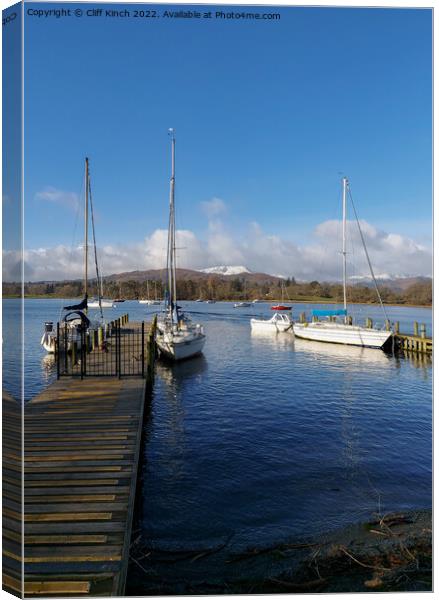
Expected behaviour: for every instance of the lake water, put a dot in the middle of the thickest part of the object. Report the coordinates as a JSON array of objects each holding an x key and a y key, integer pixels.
[{"x": 265, "y": 438}]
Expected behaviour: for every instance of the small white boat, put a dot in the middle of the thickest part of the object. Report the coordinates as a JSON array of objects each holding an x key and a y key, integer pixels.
[
  {"x": 177, "y": 337},
  {"x": 210, "y": 301},
  {"x": 343, "y": 332},
  {"x": 199, "y": 300},
  {"x": 242, "y": 304},
  {"x": 104, "y": 303},
  {"x": 150, "y": 302},
  {"x": 257, "y": 301},
  {"x": 278, "y": 322}
]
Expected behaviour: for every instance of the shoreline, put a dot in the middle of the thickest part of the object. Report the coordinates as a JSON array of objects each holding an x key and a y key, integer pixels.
[
  {"x": 387, "y": 553},
  {"x": 318, "y": 301}
]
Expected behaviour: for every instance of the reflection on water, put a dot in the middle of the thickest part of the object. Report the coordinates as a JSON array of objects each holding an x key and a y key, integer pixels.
[
  {"x": 281, "y": 339},
  {"x": 342, "y": 354},
  {"x": 173, "y": 374}
]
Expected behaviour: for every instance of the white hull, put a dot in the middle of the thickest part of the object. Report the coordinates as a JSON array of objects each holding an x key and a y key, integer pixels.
[
  {"x": 48, "y": 342},
  {"x": 150, "y": 302},
  {"x": 104, "y": 304},
  {"x": 277, "y": 323},
  {"x": 337, "y": 333},
  {"x": 180, "y": 346},
  {"x": 242, "y": 305}
]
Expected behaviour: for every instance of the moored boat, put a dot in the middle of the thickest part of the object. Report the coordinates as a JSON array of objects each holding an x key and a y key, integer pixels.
[
  {"x": 277, "y": 323},
  {"x": 344, "y": 332},
  {"x": 177, "y": 337}
]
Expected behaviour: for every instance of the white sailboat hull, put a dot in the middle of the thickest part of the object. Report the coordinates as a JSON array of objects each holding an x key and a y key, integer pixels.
[
  {"x": 180, "y": 346},
  {"x": 338, "y": 333},
  {"x": 104, "y": 304}
]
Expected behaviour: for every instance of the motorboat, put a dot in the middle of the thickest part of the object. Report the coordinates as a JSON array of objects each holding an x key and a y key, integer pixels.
[
  {"x": 242, "y": 304},
  {"x": 277, "y": 323}
]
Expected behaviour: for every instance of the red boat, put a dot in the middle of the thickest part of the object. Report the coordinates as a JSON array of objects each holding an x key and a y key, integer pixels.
[{"x": 281, "y": 307}]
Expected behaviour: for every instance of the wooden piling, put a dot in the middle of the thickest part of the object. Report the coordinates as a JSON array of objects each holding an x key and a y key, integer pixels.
[{"x": 415, "y": 329}]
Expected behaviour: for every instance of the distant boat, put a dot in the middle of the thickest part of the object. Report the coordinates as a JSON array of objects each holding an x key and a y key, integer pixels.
[
  {"x": 257, "y": 301},
  {"x": 343, "y": 332},
  {"x": 148, "y": 300},
  {"x": 177, "y": 337},
  {"x": 100, "y": 303},
  {"x": 242, "y": 304},
  {"x": 210, "y": 301},
  {"x": 276, "y": 323},
  {"x": 282, "y": 306},
  {"x": 118, "y": 300},
  {"x": 199, "y": 300}
]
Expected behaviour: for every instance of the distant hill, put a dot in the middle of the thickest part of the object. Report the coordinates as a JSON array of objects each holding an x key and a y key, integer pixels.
[
  {"x": 392, "y": 283},
  {"x": 189, "y": 274}
]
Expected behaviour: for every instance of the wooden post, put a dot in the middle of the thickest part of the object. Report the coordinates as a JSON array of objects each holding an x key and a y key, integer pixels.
[
  {"x": 302, "y": 317},
  {"x": 349, "y": 320},
  {"x": 396, "y": 327},
  {"x": 315, "y": 319},
  {"x": 423, "y": 330},
  {"x": 100, "y": 337},
  {"x": 416, "y": 329},
  {"x": 387, "y": 325}
]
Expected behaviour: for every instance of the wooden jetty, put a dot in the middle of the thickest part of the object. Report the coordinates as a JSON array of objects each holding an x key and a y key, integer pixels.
[{"x": 82, "y": 440}]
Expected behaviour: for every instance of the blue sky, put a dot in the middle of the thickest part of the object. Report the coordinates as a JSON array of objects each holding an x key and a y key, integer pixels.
[{"x": 267, "y": 114}]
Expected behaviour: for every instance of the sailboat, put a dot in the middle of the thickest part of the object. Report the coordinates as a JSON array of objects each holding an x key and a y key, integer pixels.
[
  {"x": 148, "y": 300},
  {"x": 282, "y": 306},
  {"x": 74, "y": 316},
  {"x": 177, "y": 337},
  {"x": 343, "y": 332}
]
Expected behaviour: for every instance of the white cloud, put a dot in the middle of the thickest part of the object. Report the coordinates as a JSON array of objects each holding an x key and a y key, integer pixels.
[
  {"x": 50, "y": 194},
  {"x": 259, "y": 251},
  {"x": 214, "y": 207}
]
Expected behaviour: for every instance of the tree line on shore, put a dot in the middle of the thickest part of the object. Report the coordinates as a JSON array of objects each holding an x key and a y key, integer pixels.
[{"x": 233, "y": 288}]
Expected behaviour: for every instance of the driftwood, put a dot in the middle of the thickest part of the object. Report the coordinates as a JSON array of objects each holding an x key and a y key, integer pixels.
[{"x": 252, "y": 552}]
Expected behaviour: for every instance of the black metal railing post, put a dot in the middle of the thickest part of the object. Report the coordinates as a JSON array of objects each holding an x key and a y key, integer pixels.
[
  {"x": 57, "y": 352},
  {"x": 65, "y": 349},
  {"x": 120, "y": 350},
  {"x": 143, "y": 349}
]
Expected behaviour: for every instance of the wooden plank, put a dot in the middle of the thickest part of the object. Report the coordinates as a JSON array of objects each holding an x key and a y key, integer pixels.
[
  {"x": 44, "y": 588},
  {"x": 65, "y": 539},
  {"x": 62, "y": 516}
]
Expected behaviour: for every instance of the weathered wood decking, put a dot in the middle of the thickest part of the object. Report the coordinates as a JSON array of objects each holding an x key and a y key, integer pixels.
[{"x": 81, "y": 451}]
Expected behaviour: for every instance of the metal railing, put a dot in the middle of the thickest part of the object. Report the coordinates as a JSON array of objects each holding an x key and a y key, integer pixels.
[{"x": 115, "y": 350}]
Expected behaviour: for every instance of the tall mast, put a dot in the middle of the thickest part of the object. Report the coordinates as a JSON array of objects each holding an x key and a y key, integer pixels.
[
  {"x": 86, "y": 227},
  {"x": 172, "y": 197},
  {"x": 345, "y": 185},
  {"x": 171, "y": 232}
]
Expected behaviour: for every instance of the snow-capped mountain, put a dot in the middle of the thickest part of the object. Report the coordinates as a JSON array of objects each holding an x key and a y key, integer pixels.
[{"x": 226, "y": 270}]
